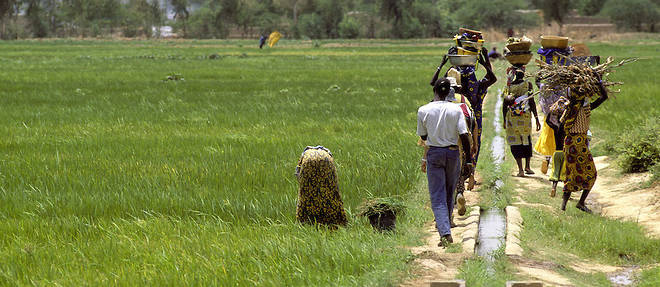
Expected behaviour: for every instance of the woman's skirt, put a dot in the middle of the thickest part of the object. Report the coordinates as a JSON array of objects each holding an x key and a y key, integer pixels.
[
  {"x": 319, "y": 200},
  {"x": 558, "y": 172},
  {"x": 545, "y": 145},
  {"x": 580, "y": 167},
  {"x": 521, "y": 151}
]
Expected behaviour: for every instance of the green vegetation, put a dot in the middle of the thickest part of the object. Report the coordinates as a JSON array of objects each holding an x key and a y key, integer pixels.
[
  {"x": 475, "y": 271},
  {"x": 650, "y": 277},
  {"x": 619, "y": 242},
  {"x": 111, "y": 174},
  {"x": 315, "y": 19},
  {"x": 638, "y": 15},
  {"x": 638, "y": 150}
]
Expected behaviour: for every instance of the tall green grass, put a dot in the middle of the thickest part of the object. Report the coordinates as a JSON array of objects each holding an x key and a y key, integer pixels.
[{"x": 111, "y": 175}]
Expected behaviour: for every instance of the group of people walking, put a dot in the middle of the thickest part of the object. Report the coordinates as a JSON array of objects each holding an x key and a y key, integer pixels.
[{"x": 450, "y": 130}]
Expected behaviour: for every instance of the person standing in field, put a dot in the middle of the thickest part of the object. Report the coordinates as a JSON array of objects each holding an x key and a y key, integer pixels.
[
  {"x": 319, "y": 200},
  {"x": 575, "y": 110},
  {"x": 441, "y": 123},
  {"x": 518, "y": 107}
]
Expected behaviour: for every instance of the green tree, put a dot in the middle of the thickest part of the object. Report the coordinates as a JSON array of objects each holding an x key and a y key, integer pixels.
[
  {"x": 590, "y": 7},
  {"x": 493, "y": 13},
  {"x": 638, "y": 15},
  {"x": 34, "y": 14},
  {"x": 554, "y": 10},
  {"x": 8, "y": 8},
  {"x": 349, "y": 28},
  {"x": 331, "y": 13},
  {"x": 435, "y": 18},
  {"x": 400, "y": 13},
  {"x": 207, "y": 21},
  {"x": 181, "y": 13},
  {"x": 311, "y": 26}
]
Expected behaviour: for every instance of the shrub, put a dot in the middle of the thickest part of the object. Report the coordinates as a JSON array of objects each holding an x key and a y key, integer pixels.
[
  {"x": 590, "y": 7},
  {"x": 310, "y": 25},
  {"x": 639, "y": 150},
  {"x": 638, "y": 15},
  {"x": 349, "y": 28}
]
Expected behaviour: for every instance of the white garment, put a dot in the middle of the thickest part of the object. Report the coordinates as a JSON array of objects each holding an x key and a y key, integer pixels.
[{"x": 442, "y": 122}]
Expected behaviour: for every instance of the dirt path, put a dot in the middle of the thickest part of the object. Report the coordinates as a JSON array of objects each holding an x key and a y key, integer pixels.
[
  {"x": 623, "y": 196},
  {"x": 435, "y": 263},
  {"x": 615, "y": 195},
  {"x": 539, "y": 265}
]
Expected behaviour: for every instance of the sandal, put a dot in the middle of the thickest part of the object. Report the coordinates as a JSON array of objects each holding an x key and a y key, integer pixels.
[{"x": 583, "y": 208}]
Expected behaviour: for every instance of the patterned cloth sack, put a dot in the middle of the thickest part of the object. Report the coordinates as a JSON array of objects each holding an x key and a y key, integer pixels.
[{"x": 319, "y": 200}]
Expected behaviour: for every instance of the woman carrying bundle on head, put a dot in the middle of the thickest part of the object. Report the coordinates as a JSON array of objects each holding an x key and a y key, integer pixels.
[
  {"x": 550, "y": 144},
  {"x": 575, "y": 110},
  {"x": 518, "y": 107}
]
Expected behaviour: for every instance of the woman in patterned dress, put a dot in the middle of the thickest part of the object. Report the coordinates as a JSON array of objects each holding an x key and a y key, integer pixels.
[
  {"x": 580, "y": 168},
  {"x": 516, "y": 110},
  {"x": 319, "y": 200}
]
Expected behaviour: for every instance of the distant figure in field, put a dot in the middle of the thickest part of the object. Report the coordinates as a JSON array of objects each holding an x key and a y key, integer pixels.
[
  {"x": 494, "y": 55},
  {"x": 509, "y": 33},
  {"x": 440, "y": 124},
  {"x": 262, "y": 41},
  {"x": 319, "y": 200}
]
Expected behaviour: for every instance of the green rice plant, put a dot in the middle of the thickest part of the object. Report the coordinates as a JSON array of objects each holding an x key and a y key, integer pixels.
[
  {"x": 650, "y": 277},
  {"x": 111, "y": 176}
]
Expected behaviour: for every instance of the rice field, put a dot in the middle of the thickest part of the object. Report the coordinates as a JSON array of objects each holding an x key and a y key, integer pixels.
[{"x": 112, "y": 174}]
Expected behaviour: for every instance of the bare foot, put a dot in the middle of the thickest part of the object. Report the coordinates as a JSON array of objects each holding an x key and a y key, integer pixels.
[
  {"x": 553, "y": 192},
  {"x": 521, "y": 174},
  {"x": 529, "y": 171}
]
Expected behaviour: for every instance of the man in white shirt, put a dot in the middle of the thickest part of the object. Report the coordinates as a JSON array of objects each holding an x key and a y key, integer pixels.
[{"x": 441, "y": 123}]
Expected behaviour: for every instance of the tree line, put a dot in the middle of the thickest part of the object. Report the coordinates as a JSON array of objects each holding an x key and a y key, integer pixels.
[{"x": 315, "y": 19}]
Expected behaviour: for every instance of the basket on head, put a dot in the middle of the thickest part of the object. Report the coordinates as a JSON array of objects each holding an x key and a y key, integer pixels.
[
  {"x": 556, "y": 42},
  {"x": 471, "y": 33},
  {"x": 519, "y": 46},
  {"x": 463, "y": 60},
  {"x": 462, "y": 51},
  {"x": 518, "y": 59},
  {"x": 476, "y": 46}
]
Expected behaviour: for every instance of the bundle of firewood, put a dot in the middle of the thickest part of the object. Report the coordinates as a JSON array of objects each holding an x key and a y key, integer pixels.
[{"x": 581, "y": 78}]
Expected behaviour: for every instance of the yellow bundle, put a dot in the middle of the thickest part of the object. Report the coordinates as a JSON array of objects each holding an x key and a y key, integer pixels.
[{"x": 273, "y": 38}]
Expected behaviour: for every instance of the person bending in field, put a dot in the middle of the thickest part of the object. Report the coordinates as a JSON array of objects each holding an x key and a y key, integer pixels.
[
  {"x": 474, "y": 90},
  {"x": 518, "y": 107},
  {"x": 441, "y": 123},
  {"x": 580, "y": 168},
  {"x": 319, "y": 200}
]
